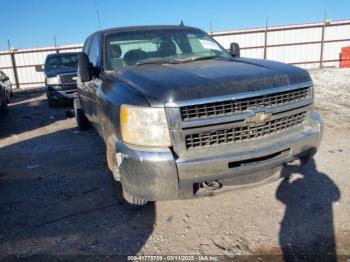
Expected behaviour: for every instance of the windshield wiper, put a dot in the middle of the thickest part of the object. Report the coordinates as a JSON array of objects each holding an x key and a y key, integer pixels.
[
  {"x": 156, "y": 61},
  {"x": 196, "y": 58},
  {"x": 177, "y": 61}
]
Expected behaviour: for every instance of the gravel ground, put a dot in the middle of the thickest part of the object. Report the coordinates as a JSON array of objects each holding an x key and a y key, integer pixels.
[{"x": 57, "y": 198}]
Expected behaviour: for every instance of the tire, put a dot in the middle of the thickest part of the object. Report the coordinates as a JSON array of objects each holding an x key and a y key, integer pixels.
[
  {"x": 4, "y": 106},
  {"x": 8, "y": 98},
  {"x": 82, "y": 121},
  {"x": 129, "y": 201},
  {"x": 52, "y": 103},
  {"x": 133, "y": 202}
]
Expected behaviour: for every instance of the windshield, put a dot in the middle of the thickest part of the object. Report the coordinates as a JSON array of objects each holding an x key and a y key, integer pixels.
[
  {"x": 160, "y": 46},
  {"x": 60, "y": 61}
]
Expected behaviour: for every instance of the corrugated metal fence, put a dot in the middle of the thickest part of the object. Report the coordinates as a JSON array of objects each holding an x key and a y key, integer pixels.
[
  {"x": 20, "y": 65},
  {"x": 306, "y": 45}
]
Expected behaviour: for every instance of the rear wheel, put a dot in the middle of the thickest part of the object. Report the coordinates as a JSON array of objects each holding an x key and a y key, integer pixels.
[{"x": 82, "y": 121}]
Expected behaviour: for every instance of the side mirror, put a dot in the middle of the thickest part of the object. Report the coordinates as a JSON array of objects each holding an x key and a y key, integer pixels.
[
  {"x": 6, "y": 78},
  {"x": 39, "y": 68},
  {"x": 85, "y": 68},
  {"x": 234, "y": 50}
]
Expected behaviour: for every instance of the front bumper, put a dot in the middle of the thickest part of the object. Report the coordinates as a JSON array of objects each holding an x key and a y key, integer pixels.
[
  {"x": 160, "y": 175},
  {"x": 62, "y": 95}
]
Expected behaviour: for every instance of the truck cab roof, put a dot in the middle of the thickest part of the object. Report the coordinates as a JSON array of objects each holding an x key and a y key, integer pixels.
[{"x": 141, "y": 28}]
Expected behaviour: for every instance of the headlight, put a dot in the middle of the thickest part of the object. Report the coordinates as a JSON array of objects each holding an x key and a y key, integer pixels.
[
  {"x": 144, "y": 126},
  {"x": 52, "y": 81},
  {"x": 312, "y": 91}
]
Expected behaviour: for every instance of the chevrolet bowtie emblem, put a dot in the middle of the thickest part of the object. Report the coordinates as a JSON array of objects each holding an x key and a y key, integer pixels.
[{"x": 259, "y": 118}]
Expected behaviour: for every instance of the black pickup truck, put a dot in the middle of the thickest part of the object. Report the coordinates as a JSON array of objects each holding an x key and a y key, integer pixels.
[
  {"x": 182, "y": 117},
  {"x": 60, "y": 71}
]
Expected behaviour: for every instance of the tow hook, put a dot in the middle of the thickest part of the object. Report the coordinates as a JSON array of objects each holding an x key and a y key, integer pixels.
[{"x": 211, "y": 185}]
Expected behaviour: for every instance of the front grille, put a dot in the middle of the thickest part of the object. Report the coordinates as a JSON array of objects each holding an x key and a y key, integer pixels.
[
  {"x": 242, "y": 133},
  {"x": 68, "y": 79},
  {"x": 243, "y": 104}
]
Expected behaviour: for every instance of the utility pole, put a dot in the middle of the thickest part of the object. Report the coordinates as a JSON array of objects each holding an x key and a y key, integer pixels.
[
  {"x": 265, "y": 43},
  {"x": 14, "y": 67},
  {"x": 322, "y": 38},
  {"x": 56, "y": 47}
]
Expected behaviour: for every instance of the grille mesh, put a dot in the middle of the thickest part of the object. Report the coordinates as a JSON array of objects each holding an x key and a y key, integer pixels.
[
  {"x": 236, "y": 134},
  {"x": 239, "y": 105},
  {"x": 68, "y": 79}
]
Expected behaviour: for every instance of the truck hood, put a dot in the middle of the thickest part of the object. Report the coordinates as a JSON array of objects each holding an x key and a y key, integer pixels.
[{"x": 171, "y": 83}]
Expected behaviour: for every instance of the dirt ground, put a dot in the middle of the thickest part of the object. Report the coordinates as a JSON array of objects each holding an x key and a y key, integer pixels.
[{"x": 57, "y": 197}]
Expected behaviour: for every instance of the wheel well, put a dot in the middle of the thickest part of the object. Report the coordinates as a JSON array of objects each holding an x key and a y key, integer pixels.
[{"x": 111, "y": 153}]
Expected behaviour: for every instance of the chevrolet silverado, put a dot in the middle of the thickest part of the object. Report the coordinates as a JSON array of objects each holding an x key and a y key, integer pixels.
[{"x": 182, "y": 117}]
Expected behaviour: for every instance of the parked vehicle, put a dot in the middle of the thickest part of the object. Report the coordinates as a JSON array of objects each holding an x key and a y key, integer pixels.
[
  {"x": 182, "y": 118},
  {"x": 60, "y": 77},
  {"x": 5, "y": 81}
]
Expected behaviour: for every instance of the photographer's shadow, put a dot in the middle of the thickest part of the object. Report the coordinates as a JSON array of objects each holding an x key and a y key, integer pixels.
[{"x": 307, "y": 227}]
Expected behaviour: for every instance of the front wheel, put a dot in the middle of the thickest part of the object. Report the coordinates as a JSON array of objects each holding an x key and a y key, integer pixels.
[
  {"x": 52, "y": 103},
  {"x": 82, "y": 121},
  {"x": 8, "y": 97},
  {"x": 4, "y": 106},
  {"x": 132, "y": 201}
]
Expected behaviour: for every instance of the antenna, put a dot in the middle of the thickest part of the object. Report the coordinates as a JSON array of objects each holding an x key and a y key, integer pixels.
[
  {"x": 98, "y": 15},
  {"x": 54, "y": 41}
]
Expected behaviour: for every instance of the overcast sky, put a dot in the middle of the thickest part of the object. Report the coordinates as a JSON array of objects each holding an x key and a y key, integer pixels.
[{"x": 33, "y": 23}]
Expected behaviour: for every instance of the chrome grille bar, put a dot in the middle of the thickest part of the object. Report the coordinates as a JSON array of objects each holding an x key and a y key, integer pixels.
[
  {"x": 242, "y": 133},
  {"x": 201, "y": 111}
]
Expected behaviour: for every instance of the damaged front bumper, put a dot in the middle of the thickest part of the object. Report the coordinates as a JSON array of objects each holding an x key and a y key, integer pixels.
[{"x": 160, "y": 175}]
